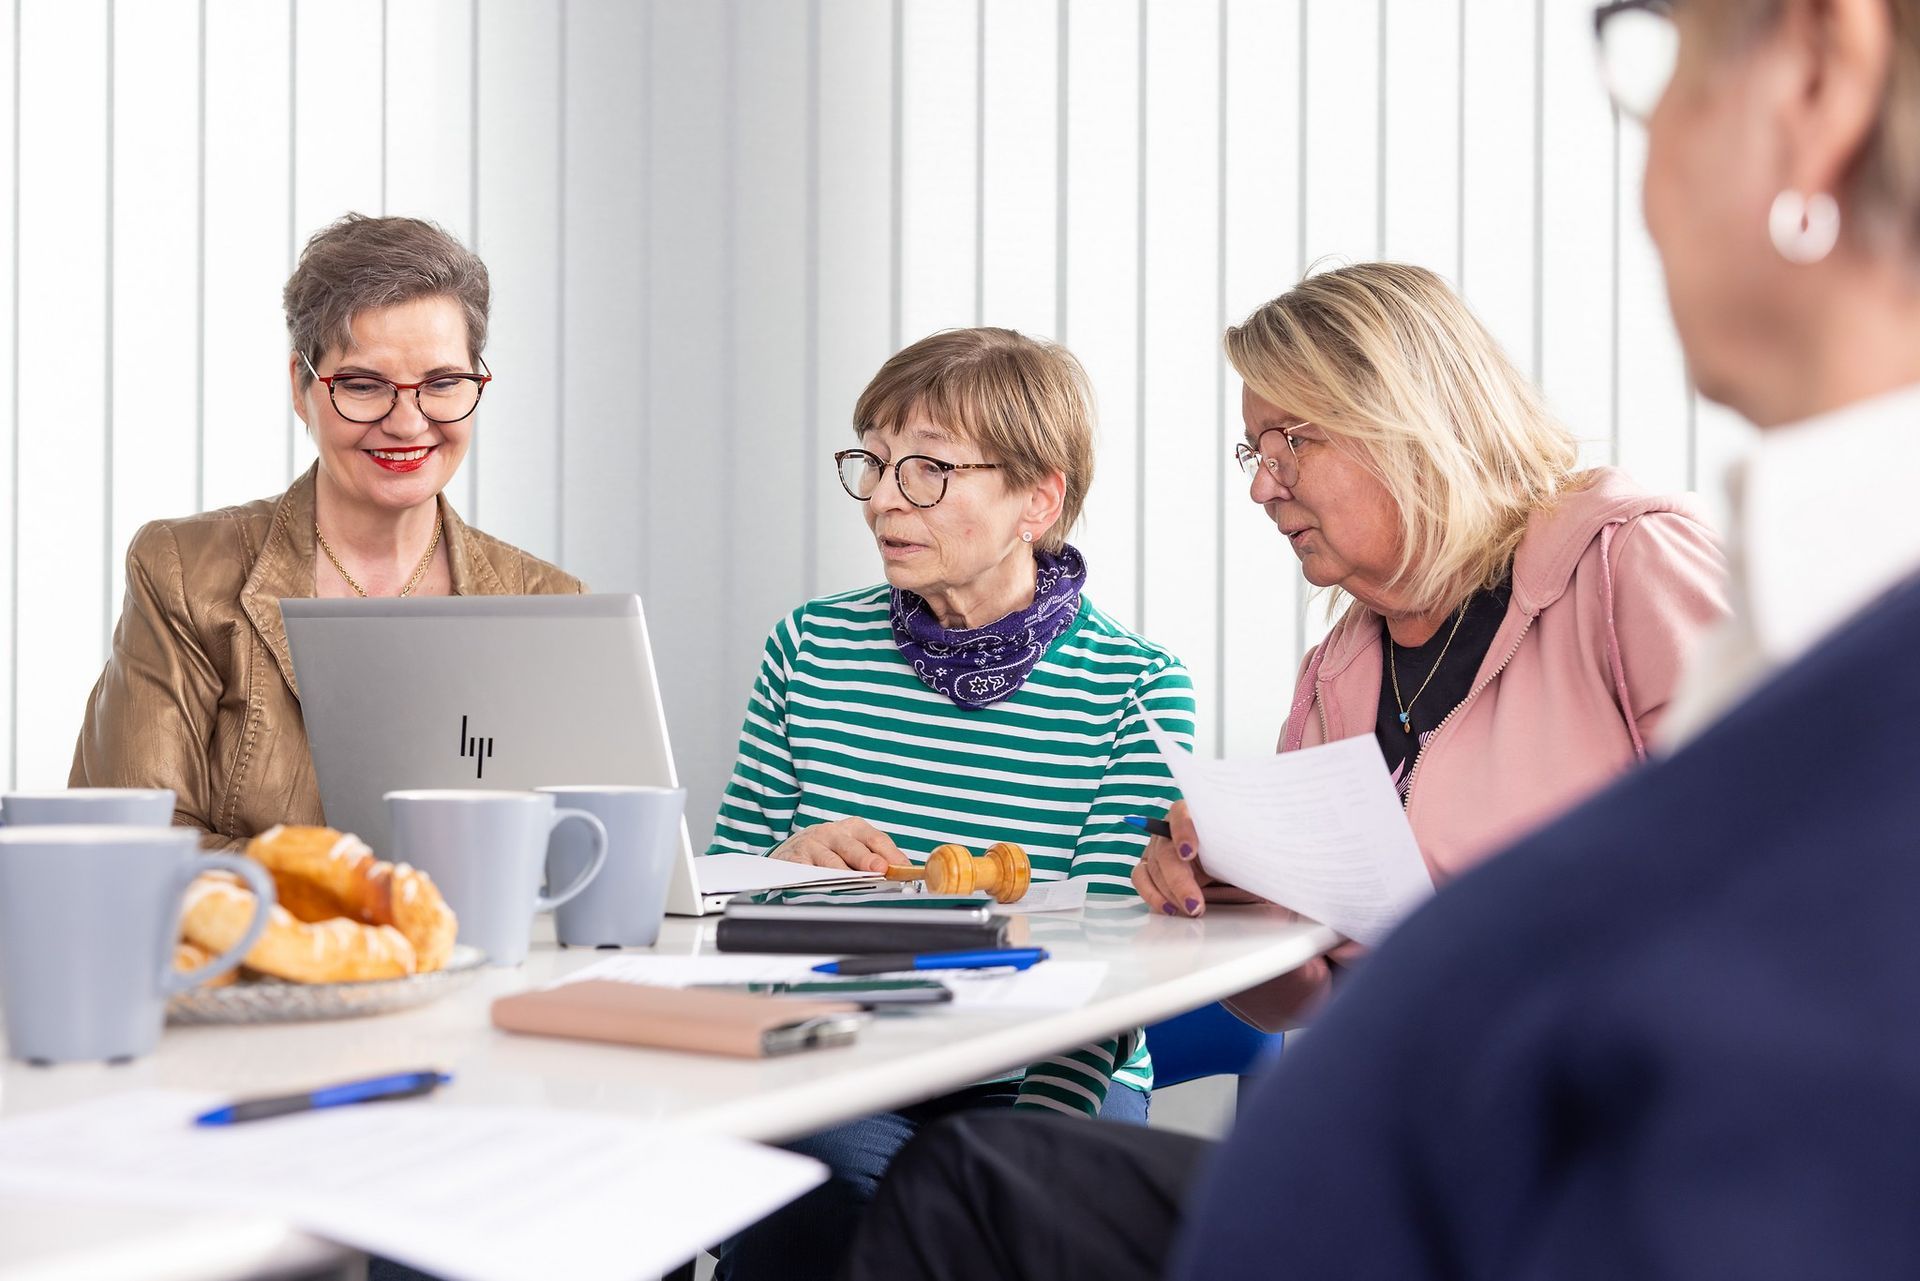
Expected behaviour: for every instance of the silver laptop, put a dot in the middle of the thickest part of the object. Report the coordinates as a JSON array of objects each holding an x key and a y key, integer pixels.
[{"x": 509, "y": 692}]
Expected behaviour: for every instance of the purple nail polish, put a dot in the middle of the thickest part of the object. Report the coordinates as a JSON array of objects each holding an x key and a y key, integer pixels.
[
  {"x": 1193, "y": 905},
  {"x": 1186, "y": 850},
  {"x": 1167, "y": 908}
]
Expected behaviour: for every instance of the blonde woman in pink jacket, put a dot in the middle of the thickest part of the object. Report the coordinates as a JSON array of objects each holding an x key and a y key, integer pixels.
[{"x": 1515, "y": 626}]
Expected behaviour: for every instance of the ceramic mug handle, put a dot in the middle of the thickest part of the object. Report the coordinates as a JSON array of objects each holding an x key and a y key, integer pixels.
[
  {"x": 259, "y": 882},
  {"x": 546, "y": 903}
]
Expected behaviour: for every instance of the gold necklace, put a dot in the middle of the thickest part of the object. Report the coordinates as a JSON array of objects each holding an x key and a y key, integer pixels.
[
  {"x": 1393, "y": 670},
  {"x": 419, "y": 571}
]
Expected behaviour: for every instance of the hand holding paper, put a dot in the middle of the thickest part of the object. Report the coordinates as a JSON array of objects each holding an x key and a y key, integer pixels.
[{"x": 1319, "y": 831}]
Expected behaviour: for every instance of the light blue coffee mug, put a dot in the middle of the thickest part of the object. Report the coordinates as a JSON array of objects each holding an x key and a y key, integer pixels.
[
  {"x": 624, "y": 904},
  {"x": 131, "y": 806},
  {"x": 487, "y": 853},
  {"x": 89, "y": 919}
]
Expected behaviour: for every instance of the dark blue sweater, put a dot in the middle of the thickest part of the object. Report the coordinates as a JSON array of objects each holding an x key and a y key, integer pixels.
[{"x": 1676, "y": 1034}]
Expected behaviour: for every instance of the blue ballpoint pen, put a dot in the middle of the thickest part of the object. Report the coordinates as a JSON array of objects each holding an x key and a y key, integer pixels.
[
  {"x": 401, "y": 1085},
  {"x": 1156, "y": 826},
  {"x": 1017, "y": 958}
]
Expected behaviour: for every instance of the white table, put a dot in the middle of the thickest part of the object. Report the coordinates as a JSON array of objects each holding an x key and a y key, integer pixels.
[{"x": 1157, "y": 967}]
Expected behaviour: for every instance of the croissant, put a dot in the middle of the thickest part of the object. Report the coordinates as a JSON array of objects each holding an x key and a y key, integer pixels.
[
  {"x": 187, "y": 957},
  {"x": 336, "y": 950},
  {"x": 320, "y": 874}
]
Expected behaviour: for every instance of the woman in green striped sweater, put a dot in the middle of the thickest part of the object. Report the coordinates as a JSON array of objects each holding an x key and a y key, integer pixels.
[{"x": 977, "y": 696}]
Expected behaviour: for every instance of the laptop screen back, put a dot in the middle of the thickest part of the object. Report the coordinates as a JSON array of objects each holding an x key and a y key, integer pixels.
[{"x": 509, "y": 692}]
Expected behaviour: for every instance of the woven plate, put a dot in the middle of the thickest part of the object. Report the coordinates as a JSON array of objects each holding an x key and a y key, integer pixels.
[{"x": 274, "y": 1001}]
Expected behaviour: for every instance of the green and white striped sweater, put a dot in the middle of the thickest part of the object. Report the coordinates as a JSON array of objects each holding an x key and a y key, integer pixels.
[{"x": 838, "y": 726}]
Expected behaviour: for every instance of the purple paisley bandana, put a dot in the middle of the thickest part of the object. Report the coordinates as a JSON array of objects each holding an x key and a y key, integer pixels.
[{"x": 977, "y": 666}]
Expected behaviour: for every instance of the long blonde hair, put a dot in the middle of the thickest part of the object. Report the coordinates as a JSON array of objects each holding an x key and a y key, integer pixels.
[{"x": 1389, "y": 362}]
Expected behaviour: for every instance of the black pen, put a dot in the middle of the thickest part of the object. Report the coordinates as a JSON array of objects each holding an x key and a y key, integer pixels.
[{"x": 402, "y": 1085}]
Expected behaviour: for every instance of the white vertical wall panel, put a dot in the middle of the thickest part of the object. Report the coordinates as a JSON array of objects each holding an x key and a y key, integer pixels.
[
  {"x": 604, "y": 291},
  {"x": 244, "y": 348},
  {"x": 1421, "y": 96},
  {"x": 1100, "y": 264},
  {"x": 1019, "y": 165},
  {"x": 777, "y": 458},
  {"x": 1653, "y": 404},
  {"x": 1262, "y": 590},
  {"x": 1497, "y": 154},
  {"x": 339, "y": 136},
  {"x": 64, "y": 202},
  {"x": 428, "y": 116},
  {"x": 9, "y": 389},
  {"x": 939, "y": 154},
  {"x": 709, "y": 223},
  {"x": 854, "y": 262},
  {"x": 429, "y": 130},
  {"x": 1183, "y": 484},
  {"x": 516, "y": 453},
  {"x": 692, "y": 528},
  {"x": 156, "y": 272},
  {"x": 1577, "y": 219},
  {"x": 1341, "y": 74}
]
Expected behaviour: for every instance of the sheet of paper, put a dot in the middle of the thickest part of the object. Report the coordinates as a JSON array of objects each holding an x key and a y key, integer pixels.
[
  {"x": 471, "y": 1194},
  {"x": 1320, "y": 831},
  {"x": 739, "y": 873},
  {"x": 1050, "y": 985},
  {"x": 1046, "y": 896}
]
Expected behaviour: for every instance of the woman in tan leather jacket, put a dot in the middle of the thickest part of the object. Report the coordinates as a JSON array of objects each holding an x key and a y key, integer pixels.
[{"x": 387, "y": 318}]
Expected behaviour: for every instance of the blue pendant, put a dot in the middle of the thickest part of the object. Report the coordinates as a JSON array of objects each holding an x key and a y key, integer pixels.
[{"x": 1404, "y": 727}]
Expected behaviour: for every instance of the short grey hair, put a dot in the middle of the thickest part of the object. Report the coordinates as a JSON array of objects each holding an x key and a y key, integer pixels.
[{"x": 361, "y": 264}]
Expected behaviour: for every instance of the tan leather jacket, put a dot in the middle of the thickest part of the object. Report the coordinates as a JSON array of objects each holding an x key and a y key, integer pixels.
[{"x": 199, "y": 695}]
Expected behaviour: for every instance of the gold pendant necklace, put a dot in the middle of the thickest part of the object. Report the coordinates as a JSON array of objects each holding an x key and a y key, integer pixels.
[
  {"x": 419, "y": 571},
  {"x": 1393, "y": 670}
]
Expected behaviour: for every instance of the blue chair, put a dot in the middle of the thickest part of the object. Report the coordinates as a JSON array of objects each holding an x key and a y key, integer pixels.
[{"x": 1208, "y": 1041}]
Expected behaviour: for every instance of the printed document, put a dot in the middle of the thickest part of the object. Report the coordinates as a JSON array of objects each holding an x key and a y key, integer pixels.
[{"x": 1319, "y": 831}]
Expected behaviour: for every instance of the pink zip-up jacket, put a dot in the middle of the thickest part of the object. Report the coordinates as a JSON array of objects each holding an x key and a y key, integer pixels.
[{"x": 1611, "y": 588}]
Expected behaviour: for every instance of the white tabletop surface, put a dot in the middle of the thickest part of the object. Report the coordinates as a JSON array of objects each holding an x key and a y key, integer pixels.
[{"x": 1157, "y": 967}]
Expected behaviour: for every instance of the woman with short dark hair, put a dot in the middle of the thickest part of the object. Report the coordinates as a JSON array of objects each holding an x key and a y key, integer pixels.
[{"x": 387, "y": 318}]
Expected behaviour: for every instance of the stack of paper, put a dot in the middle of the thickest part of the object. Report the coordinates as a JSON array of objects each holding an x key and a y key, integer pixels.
[{"x": 465, "y": 1193}]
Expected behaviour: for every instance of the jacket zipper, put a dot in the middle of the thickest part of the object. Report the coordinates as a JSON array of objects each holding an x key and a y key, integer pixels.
[{"x": 1421, "y": 756}]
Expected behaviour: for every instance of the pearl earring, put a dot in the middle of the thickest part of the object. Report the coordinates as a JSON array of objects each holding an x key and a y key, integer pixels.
[
  {"x": 1804, "y": 228},
  {"x": 1026, "y": 535}
]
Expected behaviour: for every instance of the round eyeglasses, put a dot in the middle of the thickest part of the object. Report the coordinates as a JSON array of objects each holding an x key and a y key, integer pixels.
[
  {"x": 366, "y": 398},
  {"x": 1638, "y": 46},
  {"x": 922, "y": 480},
  {"x": 1283, "y": 465}
]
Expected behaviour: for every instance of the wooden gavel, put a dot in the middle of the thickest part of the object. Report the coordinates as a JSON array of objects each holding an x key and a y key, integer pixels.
[{"x": 1002, "y": 871}]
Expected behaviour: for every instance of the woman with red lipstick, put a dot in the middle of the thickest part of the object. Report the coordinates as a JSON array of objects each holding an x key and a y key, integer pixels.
[
  {"x": 387, "y": 318},
  {"x": 1515, "y": 627}
]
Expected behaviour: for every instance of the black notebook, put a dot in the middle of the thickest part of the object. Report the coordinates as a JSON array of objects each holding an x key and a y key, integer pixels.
[{"x": 850, "y": 938}]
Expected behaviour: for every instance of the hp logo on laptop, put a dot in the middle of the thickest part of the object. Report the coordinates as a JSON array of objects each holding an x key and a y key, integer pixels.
[{"x": 481, "y": 749}]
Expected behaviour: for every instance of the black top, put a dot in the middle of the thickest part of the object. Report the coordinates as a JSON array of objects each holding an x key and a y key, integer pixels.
[
  {"x": 1452, "y": 679},
  {"x": 1670, "y": 1035}
]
